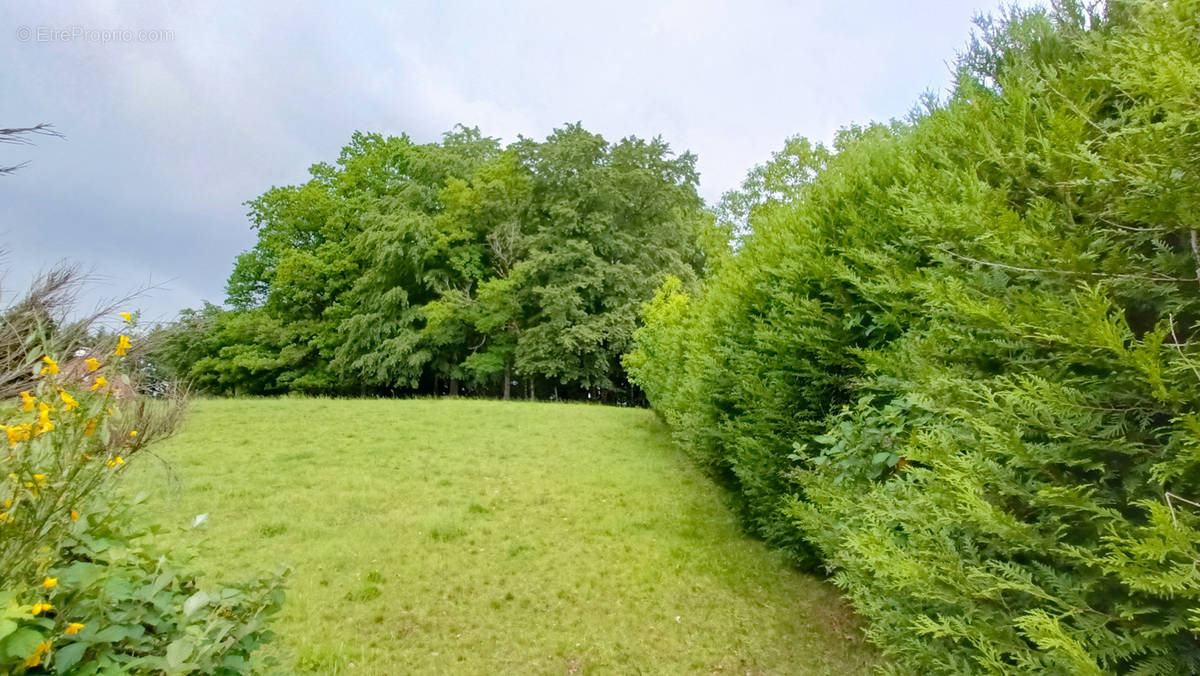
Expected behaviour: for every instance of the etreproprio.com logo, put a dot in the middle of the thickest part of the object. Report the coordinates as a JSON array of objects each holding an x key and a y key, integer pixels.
[{"x": 93, "y": 35}]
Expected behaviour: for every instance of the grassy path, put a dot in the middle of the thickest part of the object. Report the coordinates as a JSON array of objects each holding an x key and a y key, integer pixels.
[{"x": 483, "y": 537}]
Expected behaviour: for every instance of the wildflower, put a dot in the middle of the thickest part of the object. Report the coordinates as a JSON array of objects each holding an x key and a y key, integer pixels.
[
  {"x": 127, "y": 317},
  {"x": 39, "y": 608},
  {"x": 116, "y": 461},
  {"x": 39, "y": 478},
  {"x": 36, "y": 658},
  {"x": 27, "y": 401},
  {"x": 74, "y": 515},
  {"x": 133, "y": 433},
  {"x": 44, "y": 423},
  {"x": 123, "y": 344},
  {"x": 99, "y": 382},
  {"x": 90, "y": 429},
  {"x": 49, "y": 582},
  {"x": 51, "y": 366},
  {"x": 92, "y": 363},
  {"x": 73, "y": 628},
  {"x": 69, "y": 402},
  {"x": 17, "y": 433}
]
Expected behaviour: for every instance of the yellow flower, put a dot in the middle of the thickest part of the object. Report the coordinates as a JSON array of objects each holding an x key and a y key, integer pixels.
[
  {"x": 116, "y": 461},
  {"x": 39, "y": 478},
  {"x": 17, "y": 433},
  {"x": 74, "y": 515},
  {"x": 36, "y": 658},
  {"x": 127, "y": 317},
  {"x": 123, "y": 344},
  {"x": 51, "y": 366},
  {"x": 99, "y": 382},
  {"x": 49, "y": 582},
  {"x": 44, "y": 424},
  {"x": 27, "y": 401},
  {"x": 69, "y": 402},
  {"x": 133, "y": 433},
  {"x": 73, "y": 628},
  {"x": 92, "y": 363},
  {"x": 39, "y": 608},
  {"x": 90, "y": 429}
]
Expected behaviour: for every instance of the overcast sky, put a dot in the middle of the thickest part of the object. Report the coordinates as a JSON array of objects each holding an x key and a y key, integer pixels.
[{"x": 171, "y": 127}]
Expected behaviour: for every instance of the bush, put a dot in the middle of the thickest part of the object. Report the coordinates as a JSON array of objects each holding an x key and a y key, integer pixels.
[
  {"x": 959, "y": 370},
  {"x": 84, "y": 589}
]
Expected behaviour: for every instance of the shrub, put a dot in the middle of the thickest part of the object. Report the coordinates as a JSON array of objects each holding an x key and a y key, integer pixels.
[
  {"x": 959, "y": 370},
  {"x": 83, "y": 588}
]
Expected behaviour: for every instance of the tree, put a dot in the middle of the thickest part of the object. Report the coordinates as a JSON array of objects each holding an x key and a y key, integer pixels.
[
  {"x": 777, "y": 182},
  {"x": 459, "y": 264}
]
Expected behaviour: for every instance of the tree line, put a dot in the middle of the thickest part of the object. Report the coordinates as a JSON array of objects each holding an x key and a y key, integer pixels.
[{"x": 456, "y": 267}]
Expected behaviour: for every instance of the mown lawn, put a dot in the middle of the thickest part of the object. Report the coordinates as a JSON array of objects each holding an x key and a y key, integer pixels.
[{"x": 483, "y": 537}]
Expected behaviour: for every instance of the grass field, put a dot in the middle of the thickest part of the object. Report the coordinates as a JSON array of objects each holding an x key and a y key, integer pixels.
[{"x": 483, "y": 537}]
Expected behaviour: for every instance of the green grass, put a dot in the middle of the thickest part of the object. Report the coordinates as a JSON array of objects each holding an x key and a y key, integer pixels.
[{"x": 483, "y": 537}]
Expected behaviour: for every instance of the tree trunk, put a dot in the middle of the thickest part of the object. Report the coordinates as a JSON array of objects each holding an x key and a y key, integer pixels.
[
  {"x": 454, "y": 387},
  {"x": 507, "y": 381}
]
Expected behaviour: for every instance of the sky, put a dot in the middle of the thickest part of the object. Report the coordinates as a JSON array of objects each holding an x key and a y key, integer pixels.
[{"x": 176, "y": 112}]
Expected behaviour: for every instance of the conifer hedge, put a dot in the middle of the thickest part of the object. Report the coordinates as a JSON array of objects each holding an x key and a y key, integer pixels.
[{"x": 960, "y": 367}]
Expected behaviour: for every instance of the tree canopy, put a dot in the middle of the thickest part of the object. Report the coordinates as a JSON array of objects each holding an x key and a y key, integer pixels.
[{"x": 407, "y": 267}]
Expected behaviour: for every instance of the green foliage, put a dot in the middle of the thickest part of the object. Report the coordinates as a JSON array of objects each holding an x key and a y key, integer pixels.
[
  {"x": 416, "y": 266},
  {"x": 958, "y": 368},
  {"x": 122, "y": 604},
  {"x": 778, "y": 182},
  {"x": 84, "y": 589}
]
